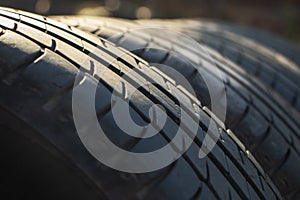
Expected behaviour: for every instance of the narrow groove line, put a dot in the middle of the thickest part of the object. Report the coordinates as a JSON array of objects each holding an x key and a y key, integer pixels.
[
  {"x": 196, "y": 194},
  {"x": 11, "y": 76},
  {"x": 248, "y": 88},
  {"x": 53, "y": 45},
  {"x": 278, "y": 167},
  {"x": 94, "y": 31},
  {"x": 66, "y": 42},
  {"x": 164, "y": 59},
  {"x": 255, "y": 105},
  {"x": 73, "y": 34},
  {"x": 2, "y": 31},
  {"x": 192, "y": 75},
  {"x": 258, "y": 71},
  {"x": 53, "y": 101},
  {"x": 244, "y": 47},
  {"x": 254, "y": 186},
  {"x": 142, "y": 115},
  {"x": 270, "y": 121},
  {"x": 245, "y": 174},
  {"x": 229, "y": 194},
  {"x": 144, "y": 190},
  {"x": 295, "y": 98},
  {"x": 241, "y": 118},
  {"x": 117, "y": 71},
  {"x": 101, "y": 60},
  {"x": 262, "y": 140},
  {"x": 271, "y": 107},
  {"x": 104, "y": 111}
]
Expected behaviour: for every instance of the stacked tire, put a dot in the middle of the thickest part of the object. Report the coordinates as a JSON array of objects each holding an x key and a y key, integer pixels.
[{"x": 43, "y": 61}]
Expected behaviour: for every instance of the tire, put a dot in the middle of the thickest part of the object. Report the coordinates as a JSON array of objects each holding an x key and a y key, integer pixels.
[
  {"x": 273, "y": 69},
  {"x": 263, "y": 124},
  {"x": 269, "y": 40},
  {"x": 40, "y": 60}
]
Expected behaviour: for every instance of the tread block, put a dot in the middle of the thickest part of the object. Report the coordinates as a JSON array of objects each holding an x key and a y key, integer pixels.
[{"x": 19, "y": 49}]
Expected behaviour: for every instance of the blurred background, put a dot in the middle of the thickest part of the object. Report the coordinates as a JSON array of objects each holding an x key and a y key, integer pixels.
[{"x": 281, "y": 17}]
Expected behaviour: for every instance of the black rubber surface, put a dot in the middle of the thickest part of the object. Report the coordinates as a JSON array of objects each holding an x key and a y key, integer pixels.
[
  {"x": 277, "y": 71},
  {"x": 287, "y": 48},
  {"x": 263, "y": 123},
  {"x": 39, "y": 61}
]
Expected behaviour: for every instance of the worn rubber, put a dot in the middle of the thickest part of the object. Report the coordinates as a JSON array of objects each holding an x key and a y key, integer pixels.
[
  {"x": 283, "y": 46},
  {"x": 277, "y": 71},
  {"x": 273, "y": 69},
  {"x": 263, "y": 123},
  {"x": 40, "y": 59}
]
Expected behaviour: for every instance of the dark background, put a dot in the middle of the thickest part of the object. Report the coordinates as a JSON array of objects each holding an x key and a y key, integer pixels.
[{"x": 282, "y": 17}]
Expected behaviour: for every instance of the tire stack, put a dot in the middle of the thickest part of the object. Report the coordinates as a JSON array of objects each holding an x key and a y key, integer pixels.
[{"x": 257, "y": 155}]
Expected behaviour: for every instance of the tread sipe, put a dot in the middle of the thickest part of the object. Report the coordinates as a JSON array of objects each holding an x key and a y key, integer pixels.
[
  {"x": 40, "y": 59},
  {"x": 262, "y": 122}
]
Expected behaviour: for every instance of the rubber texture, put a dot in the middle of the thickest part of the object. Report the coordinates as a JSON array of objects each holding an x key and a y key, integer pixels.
[
  {"x": 285, "y": 47},
  {"x": 273, "y": 69},
  {"x": 263, "y": 123},
  {"x": 40, "y": 59}
]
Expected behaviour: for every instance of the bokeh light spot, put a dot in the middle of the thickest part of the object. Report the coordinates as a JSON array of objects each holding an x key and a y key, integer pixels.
[
  {"x": 42, "y": 6},
  {"x": 143, "y": 12}
]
